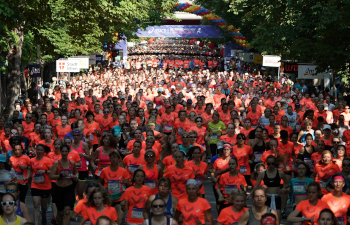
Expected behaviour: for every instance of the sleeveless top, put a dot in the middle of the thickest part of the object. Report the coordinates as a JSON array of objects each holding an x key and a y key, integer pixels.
[
  {"x": 306, "y": 156},
  {"x": 80, "y": 149},
  {"x": 272, "y": 182},
  {"x": 168, "y": 221},
  {"x": 302, "y": 139},
  {"x": 258, "y": 151},
  {"x": 17, "y": 222},
  {"x": 169, "y": 206},
  {"x": 104, "y": 159},
  {"x": 121, "y": 142},
  {"x": 60, "y": 169},
  {"x": 19, "y": 210},
  {"x": 252, "y": 220}
]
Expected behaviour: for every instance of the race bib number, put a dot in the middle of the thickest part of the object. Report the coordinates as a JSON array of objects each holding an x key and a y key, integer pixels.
[
  {"x": 242, "y": 169},
  {"x": 307, "y": 160},
  {"x": 114, "y": 186},
  {"x": 340, "y": 220},
  {"x": 213, "y": 136},
  {"x": 99, "y": 172},
  {"x": 137, "y": 213},
  {"x": 298, "y": 126},
  {"x": 70, "y": 173},
  {"x": 38, "y": 178},
  {"x": 180, "y": 130},
  {"x": 150, "y": 183},
  {"x": 299, "y": 187},
  {"x": 258, "y": 156},
  {"x": 19, "y": 175},
  {"x": 168, "y": 128},
  {"x": 91, "y": 137},
  {"x": 323, "y": 183},
  {"x": 147, "y": 101},
  {"x": 158, "y": 107},
  {"x": 132, "y": 168},
  {"x": 230, "y": 188},
  {"x": 2, "y": 187}
]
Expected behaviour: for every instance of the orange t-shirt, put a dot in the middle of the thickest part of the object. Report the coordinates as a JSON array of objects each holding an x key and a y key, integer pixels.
[
  {"x": 52, "y": 148},
  {"x": 27, "y": 129},
  {"x": 90, "y": 213},
  {"x": 180, "y": 127},
  {"x": 104, "y": 123},
  {"x": 136, "y": 198},
  {"x": 113, "y": 180},
  {"x": 191, "y": 211},
  {"x": 74, "y": 156},
  {"x": 200, "y": 170},
  {"x": 220, "y": 164},
  {"x": 323, "y": 173},
  {"x": 61, "y": 132},
  {"x": 286, "y": 150},
  {"x": 16, "y": 162},
  {"x": 89, "y": 131},
  {"x": 54, "y": 157},
  {"x": 228, "y": 183},
  {"x": 339, "y": 206},
  {"x": 132, "y": 163},
  {"x": 179, "y": 178},
  {"x": 168, "y": 161},
  {"x": 310, "y": 211},
  {"x": 41, "y": 181},
  {"x": 230, "y": 140},
  {"x": 242, "y": 156},
  {"x": 254, "y": 117},
  {"x": 228, "y": 216},
  {"x": 288, "y": 129},
  {"x": 130, "y": 145},
  {"x": 225, "y": 118},
  {"x": 80, "y": 206},
  {"x": 200, "y": 133}
]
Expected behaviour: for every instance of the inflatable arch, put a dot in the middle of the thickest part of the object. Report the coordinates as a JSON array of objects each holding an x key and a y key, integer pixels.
[{"x": 239, "y": 39}]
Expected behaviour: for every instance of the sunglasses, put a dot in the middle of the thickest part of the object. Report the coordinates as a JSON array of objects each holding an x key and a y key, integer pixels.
[
  {"x": 8, "y": 203},
  {"x": 336, "y": 142},
  {"x": 240, "y": 138},
  {"x": 149, "y": 156},
  {"x": 346, "y": 164},
  {"x": 13, "y": 132},
  {"x": 271, "y": 164},
  {"x": 185, "y": 136},
  {"x": 105, "y": 112},
  {"x": 198, "y": 121},
  {"x": 11, "y": 191},
  {"x": 157, "y": 206},
  {"x": 28, "y": 117}
]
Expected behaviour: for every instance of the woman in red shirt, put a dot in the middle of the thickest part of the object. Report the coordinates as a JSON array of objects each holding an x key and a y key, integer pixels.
[
  {"x": 231, "y": 215},
  {"x": 194, "y": 210},
  {"x": 136, "y": 197},
  {"x": 98, "y": 205}
]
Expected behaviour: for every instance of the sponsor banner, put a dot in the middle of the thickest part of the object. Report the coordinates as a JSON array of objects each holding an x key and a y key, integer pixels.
[
  {"x": 309, "y": 72},
  {"x": 258, "y": 59},
  {"x": 34, "y": 71},
  {"x": 82, "y": 60},
  {"x": 67, "y": 65},
  {"x": 246, "y": 57},
  {"x": 290, "y": 67},
  {"x": 271, "y": 61},
  {"x": 99, "y": 59},
  {"x": 187, "y": 31}
]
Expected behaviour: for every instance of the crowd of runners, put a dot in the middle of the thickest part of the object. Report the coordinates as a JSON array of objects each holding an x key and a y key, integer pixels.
[{"x": 133, "y": 142}]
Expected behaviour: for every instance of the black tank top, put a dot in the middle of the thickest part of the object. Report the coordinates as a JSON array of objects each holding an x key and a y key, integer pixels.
[
  {"x": 306, "y": 154},
  {"x": 122, "y": 142},
  {"x": 261, "y": 148},
  {"x": 272, "y": 182}
]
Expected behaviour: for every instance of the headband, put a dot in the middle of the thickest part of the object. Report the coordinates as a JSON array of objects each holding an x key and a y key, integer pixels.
[
  {"x": 227, "y": 146},
  {"x": 192, "y": 181},
  {"x": 268, "y": 220},
  {"x": 338, "y": 178}
]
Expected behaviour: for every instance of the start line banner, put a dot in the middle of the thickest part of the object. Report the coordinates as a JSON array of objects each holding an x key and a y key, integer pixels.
[{"x": 184, "y": 31}]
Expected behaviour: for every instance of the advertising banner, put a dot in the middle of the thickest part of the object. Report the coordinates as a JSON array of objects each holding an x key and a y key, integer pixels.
[
  {"x": 290, "y": 67},
  {"x": 82, "y": 60},
  {"x": 246, "y": 57},
  {"x": 258, "y": 59},
  {"x": 67, "y": 65},
  {"x": 271, "y": 61},
  {"x": 309, "y": 72},
  {"x": 186, "y": 31},
  {"x": 34, "y": 71},
  {"x": 99, "y": 59}
]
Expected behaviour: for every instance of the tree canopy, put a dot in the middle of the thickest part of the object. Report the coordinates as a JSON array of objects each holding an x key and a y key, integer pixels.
[{"x": 309, "y": 31}]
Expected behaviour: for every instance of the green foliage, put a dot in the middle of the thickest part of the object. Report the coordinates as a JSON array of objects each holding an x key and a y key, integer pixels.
[{"x": 308, "y": 31}]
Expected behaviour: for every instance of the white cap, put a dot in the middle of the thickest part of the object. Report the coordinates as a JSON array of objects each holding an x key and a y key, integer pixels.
[{"x": 327, "y": 127}]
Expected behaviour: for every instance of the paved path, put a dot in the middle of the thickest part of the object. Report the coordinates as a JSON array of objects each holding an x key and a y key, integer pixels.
[{"x": 208, "y": 195}]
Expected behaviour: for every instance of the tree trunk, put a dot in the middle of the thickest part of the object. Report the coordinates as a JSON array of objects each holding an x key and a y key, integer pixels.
[{"x": 14, "y": 79}]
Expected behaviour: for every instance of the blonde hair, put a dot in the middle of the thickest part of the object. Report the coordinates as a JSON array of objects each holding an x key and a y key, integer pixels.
[{"x": 235, "y": 193}]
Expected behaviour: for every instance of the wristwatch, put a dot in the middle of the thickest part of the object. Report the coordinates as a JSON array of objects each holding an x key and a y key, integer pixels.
[{"x": 302, "y": 219}]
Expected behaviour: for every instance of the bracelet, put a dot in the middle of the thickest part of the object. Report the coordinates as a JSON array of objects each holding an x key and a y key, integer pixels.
[{"x": 45, "y": 171}]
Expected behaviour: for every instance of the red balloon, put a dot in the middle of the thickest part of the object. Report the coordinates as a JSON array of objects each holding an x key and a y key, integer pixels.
[
  {"x": 207, "y": 53},
  {"x": 150, "y": 41},
  {"x": 211, "y": 45},
  {"x": 143, "y": 39},
  {"x": 201, "y": 44},
  {"x": 160, "y": 38},
  {"x": 222, "y": 52},
  {"x": 184, "y": 39},
  {"x": 191, "y": 42},
  {"x": 194, "y": 39}
]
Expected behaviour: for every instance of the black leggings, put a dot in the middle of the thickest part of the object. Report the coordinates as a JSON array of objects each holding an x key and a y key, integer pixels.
[
  {"x": 23, "y": 189},
  {"x": 213, "y": 150}
]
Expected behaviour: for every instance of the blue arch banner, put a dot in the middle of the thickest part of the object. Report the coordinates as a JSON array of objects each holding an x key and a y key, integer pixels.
[{"x": 184, "y": 31}]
